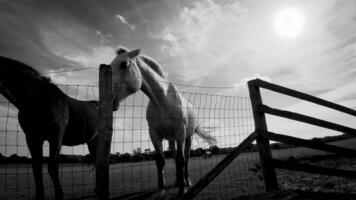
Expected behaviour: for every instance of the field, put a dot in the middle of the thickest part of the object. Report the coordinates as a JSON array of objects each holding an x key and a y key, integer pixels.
[{"x": 240, "y": 178}]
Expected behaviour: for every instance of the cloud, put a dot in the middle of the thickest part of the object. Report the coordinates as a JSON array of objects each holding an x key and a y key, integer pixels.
[
  {"x": 77, "y": 44},
  {"x": 205, "y": 42},
  {"x": 98, "y": 55},
  {"x": 124, "y": 21},
  {"x": 172, "y": 45},
  {"x": 74, "y": 76},
  {"x": 82, "y": 54},
  {"x": 200, "y": 19},
  {"x": 215, "y": 43},
  {"x": 194, "y": 23},
  {"x": 191, "y": 41},
  {"x": 104, "y": 38},
  {"x": 243, "y": 82}
]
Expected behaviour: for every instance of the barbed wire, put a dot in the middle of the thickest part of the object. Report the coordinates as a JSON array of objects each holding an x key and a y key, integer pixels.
[
  {"x": 71, "y": 70},
  {"x": 207, "y": 87},
  {"x": 164, "y": 81}
]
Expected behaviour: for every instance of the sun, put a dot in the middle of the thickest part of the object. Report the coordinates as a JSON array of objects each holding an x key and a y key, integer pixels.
[{"x": 289, "y": 22}]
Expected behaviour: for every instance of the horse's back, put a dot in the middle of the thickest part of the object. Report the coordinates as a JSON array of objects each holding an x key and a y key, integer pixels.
[
  {"x": 8, "y": 62},
  {"x": 172, "y": 117},
  {"x": 44, "y": 114},
  {"x": 56, "y": 111}
]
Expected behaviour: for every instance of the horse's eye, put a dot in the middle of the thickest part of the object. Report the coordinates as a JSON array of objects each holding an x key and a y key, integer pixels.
[{"x": 124, "y": 65}]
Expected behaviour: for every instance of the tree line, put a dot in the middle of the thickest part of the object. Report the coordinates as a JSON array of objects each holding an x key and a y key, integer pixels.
[
  {"x": 147, "y": 155},
  {"x": 136, "y": 156}
]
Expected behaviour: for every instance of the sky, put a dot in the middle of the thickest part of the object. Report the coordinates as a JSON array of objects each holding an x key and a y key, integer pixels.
[{"x": 202, "y": 43}]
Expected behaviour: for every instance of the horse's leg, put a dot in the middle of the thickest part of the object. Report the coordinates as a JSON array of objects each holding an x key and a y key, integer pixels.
[
  {"x": 172, "y": 148},
  {"x": 180, "y": 161},
  {"x": 36, "y": 151},
  {"x": 160, "y": 159},
  {"x": 92, "y": 149},
  {"x": 54, "y": 150},
  {"x": 188, "y": 143}
]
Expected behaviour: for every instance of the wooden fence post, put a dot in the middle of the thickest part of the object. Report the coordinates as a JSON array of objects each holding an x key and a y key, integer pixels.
[
  {"x": 269, "y": 174},
  {"x": 105, "y": 132}
]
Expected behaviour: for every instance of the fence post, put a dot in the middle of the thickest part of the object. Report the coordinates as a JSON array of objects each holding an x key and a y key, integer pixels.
[
  {"x": 269, "y": 174},
  {"x": 105, "y": 132}
]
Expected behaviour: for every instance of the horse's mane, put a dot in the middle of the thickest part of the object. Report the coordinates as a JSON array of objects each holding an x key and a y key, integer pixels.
[
  {"x": 20, "y": 69},
  {"x": 153, "y": 64},
  {"x": 150, "y": 62}
]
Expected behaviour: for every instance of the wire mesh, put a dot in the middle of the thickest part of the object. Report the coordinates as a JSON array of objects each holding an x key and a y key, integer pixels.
[
  {"x": 228, "y": 118},
  {"x": 133, "y": 169}
]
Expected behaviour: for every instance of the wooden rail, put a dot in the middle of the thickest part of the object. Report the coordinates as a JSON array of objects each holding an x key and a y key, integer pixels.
[
  {"x": 259, "y": 109},
  {"x": 306, "y": 119},
  {"x": 311, "y": 144},
  {"x": 202, "y": 183},
  {"x": 303, "y": 96}
]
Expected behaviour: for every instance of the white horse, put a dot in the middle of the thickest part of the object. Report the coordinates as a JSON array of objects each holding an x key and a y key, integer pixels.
[{"x": 169, "y": 115}]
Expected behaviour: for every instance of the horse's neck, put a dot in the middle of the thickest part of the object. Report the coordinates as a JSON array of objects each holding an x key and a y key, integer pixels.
[
  {"x": 19, "y": 93},
  {"x": 154, "y": 86},
  {"x": 9, "y": 96}
]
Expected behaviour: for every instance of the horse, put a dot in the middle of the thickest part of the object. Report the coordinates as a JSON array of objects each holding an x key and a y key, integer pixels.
[
  {"x": 169, "y": 115},
  {"x": 45, "y": 113}
]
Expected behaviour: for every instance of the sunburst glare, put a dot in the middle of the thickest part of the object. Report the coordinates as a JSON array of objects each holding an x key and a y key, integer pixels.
[{"x": 289, "y": 22}]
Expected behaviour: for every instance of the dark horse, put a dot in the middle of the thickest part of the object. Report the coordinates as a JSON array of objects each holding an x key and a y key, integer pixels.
[{"x": 46, "y": 113}]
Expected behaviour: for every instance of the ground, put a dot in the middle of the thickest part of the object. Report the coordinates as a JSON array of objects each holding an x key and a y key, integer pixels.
[
  {"x": 298, "y": 195},
  {"x": 242, "y": 177},
  {"x": 316, "y": 182}
]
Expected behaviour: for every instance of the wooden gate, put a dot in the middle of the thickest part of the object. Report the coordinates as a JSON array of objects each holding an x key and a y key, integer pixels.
[
  {"x": 268, "y": 163},
  {"x": 263, "y": 136}
]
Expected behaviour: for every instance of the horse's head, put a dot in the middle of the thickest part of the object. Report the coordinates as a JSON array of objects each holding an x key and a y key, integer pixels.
[{"x": 126, "y": 75}]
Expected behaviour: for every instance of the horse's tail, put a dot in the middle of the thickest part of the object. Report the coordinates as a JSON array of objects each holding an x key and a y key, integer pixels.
[{"x": 205, "y": 135}]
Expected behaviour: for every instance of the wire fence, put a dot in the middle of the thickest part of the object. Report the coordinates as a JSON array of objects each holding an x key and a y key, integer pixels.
[
  {"x": 133, "y": 169},
  {"x": 16, "y": 179}
]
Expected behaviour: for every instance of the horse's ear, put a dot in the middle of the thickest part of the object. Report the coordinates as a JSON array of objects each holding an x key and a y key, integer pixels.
[
  {"x": 121, "y": 51},
  {"x": 134, "y": 53}
]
